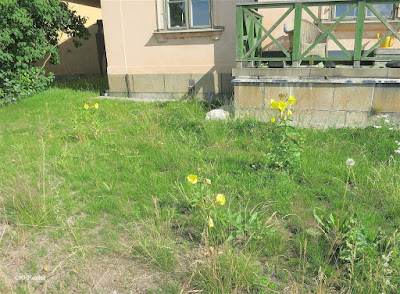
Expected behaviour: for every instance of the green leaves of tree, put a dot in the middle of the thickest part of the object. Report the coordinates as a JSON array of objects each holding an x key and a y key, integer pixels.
[{"x": 30, "y": 31}]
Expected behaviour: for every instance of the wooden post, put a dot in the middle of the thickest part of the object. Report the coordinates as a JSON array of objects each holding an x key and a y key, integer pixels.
[
  {"x": 359, "y": 34},
  {"x": 239, "y": 33},
  {"x": 296, "y": 34}
]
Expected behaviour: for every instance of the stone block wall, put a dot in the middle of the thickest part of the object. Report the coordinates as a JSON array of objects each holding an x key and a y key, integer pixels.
[
  {"x": 334, "y": 97},
  {"x": 170, "y": 86}
]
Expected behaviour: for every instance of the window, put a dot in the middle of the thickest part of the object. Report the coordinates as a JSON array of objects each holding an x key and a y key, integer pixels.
[
  {"x": 386, "y": 10},
  {"x": 188, "y": 14}
]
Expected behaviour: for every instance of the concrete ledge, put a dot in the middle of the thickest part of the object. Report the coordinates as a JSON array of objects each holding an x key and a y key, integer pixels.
[
  {"x": 317, "y": 72},
  {"x": 307, "y": 80}
]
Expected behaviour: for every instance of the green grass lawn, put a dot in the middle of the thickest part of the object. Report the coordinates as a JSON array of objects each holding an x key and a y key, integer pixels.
[{"x": 97, "y": 200}]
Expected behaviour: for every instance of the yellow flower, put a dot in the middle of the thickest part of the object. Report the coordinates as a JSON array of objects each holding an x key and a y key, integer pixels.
[
  {"x": 86, "y": 106},
  {"x": 289, "y": 112},
  {"x": 210, "y": 222},
  {"x": 220, "y": 199},
  {"x": 291, "y": 99},
  {"x": 192, "y": 179},
  {"x": 273, "y": 119},
  {"x": 282, "y": 106},
  {"x": 274, "y": 104},
  {"x": 96, "y": 106}
]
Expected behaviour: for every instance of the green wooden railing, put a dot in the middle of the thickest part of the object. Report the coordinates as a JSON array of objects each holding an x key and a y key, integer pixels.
[{"x": 250, "y": 32}]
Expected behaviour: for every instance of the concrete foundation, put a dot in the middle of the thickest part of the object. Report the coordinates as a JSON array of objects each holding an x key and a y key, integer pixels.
[
  {"x": 169, "y": 86},
  {"x": 334, "y": 97}
]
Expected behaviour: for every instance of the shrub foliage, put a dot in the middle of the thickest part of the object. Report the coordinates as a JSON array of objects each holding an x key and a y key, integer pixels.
[{"x": 30, "y": 32}]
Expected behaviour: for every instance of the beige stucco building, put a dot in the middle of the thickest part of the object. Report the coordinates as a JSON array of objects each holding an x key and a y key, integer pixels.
[{"x": 88, "y": 59}]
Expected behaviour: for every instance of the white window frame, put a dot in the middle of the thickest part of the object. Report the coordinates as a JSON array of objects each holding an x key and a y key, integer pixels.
[
  {"x": 188, "y": 16},
  {"x": 393, "y": 15}
]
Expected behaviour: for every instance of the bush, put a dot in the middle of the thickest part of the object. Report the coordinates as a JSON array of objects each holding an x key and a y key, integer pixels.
[{"x": 30, "y": 32}]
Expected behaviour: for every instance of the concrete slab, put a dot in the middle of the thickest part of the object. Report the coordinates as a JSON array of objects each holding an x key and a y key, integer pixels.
[
  {"x": 177, "y": 83},
  {"x": 353, "y": 97},
  {"x": 148, "y": 83},
  {"x": 247, "y": 96},
  {"x": 226, "y": 84},
  {"x": 361, "y": 72},
  {"x": 322, "y": 119},
  {"x": 386, "y": 98},
  {"x": 357, "y": 119},
  {"x": 271, "y": 72},
  {"x": 206, "y": 83},
  {"x": 393, "y": 73},
  {"x": 117, "y": 84},
  {"x": 252, "y": 114}
]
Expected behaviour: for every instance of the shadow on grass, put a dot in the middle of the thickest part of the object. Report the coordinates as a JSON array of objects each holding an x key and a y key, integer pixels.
[{"x": 94, "y": 84}]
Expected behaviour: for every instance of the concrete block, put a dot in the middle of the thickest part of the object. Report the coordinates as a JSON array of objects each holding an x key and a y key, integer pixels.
[
  {"x": 386, "y": 98},
  {"x": 258, "y": 114},
  {"x": 357, "y": 119},
  {"x": 177, "y": 83},
  {"x": 322, "y": 119},
  {"x": 313, "y": 96},
  {"x": 393, "y": 73},
  {"x": 308, "y": 95},
  {"x": 249, "y": 96},
  {"x": 206, "y": 83},
  {"x": 226, "y": 84},
  {"x": 323, "y": 72},
  {"x": 350, "y": 72},
  {"x": 150, "y": 97},
  {"x": 148, "y": 83},
  {"x": 271, "y": 72},
  {"x": 117, "y": 84},
  {"x": 353, "y": 97}
]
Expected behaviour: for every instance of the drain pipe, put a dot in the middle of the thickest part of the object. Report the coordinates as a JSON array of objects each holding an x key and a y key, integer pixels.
[{"x": 128, "y": 84}]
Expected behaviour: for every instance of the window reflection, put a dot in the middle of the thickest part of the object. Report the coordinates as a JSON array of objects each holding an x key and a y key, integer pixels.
[
  {"x": 200, "y": 13},
  {"x": 177, "y": 16},
  {"x": 386, "y": 10}
]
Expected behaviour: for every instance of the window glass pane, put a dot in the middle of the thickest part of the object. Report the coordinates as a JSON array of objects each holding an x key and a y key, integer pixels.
[
  {"x": 177, "y": 14},
  {"x": 384, "y": 9},
  {"x": 341, "y": 9},
  {"x": 200, "y": 13}
]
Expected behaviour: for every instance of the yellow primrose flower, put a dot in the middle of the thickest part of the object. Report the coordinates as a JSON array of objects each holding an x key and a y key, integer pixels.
[
  {"x": 86, "y": 106},
  {"x": 282, "y": 106},
  {"x": 289, "y": 112},
  {"x": 220, "y": 199},
  {"x": 210, "y": 222},
  {"x": 192, "y": 179},
  {"x": 291, "y": 99},
  {"x": 96, "y": 106},
  {"x": 273, "y": 119},
  {"x": 274, "y": 104}
]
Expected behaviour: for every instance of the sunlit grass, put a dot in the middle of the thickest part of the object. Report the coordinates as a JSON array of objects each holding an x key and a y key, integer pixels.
[{"x": 125, "y": 191}]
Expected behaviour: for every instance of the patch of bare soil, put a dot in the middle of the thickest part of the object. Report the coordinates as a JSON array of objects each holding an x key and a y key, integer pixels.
[{"x": 41, "y": 265}]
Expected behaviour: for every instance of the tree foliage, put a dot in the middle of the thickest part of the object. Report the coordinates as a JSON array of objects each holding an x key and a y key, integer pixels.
[{"x": 30, "y": 31}]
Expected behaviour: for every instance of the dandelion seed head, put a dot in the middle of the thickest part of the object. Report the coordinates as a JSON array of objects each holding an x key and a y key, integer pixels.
[{"x": 350, "y": 162}]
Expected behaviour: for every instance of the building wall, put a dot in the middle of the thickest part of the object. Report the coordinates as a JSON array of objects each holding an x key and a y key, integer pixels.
[
  {"x": 82, "y": 60},
  {"x": 164, "y": 63}
]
